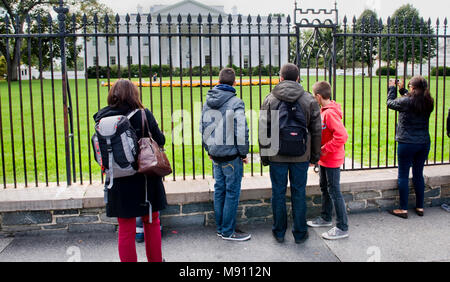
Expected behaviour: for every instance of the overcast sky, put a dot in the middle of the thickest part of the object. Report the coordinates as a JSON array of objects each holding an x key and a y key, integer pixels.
[{"x": 384, "y": 8}]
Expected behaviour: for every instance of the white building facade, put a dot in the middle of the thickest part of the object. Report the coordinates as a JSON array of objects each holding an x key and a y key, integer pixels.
[{"x": 245, "y": 51}]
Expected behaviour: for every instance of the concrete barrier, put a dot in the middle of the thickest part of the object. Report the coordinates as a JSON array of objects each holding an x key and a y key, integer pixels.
[{"x": 81, "y": 209}]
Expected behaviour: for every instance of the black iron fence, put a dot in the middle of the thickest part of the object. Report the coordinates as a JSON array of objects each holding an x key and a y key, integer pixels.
[{"x": 58, "y": 74}]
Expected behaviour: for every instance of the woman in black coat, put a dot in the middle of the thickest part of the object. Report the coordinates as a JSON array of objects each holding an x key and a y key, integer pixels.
[
  {"x": 413, "y": 137},
  {"x": 127, "y": 198}
]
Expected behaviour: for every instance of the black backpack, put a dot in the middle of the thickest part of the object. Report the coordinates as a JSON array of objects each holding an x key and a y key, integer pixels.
[{"x": 293, "y": 130}]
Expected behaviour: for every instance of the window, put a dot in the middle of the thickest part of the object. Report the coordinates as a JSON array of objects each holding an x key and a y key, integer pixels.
[
  {"x": 208, "y": 60},
  {"x": 129, "y": 41},
  {"x": 145, "y": 40},
  {"x": 112, "y": 42},
  {"x": 246, "y": 61},
  {"x": 130, "y": 60},
  {"x": 94, "y": 41},
  {"x": 261, "y": 60},
  {"x": 95, "y": 60},
  {"x": 146, "y": 60},
  {"x": 276, "y": 60},
  {"x": 112, "y": 60}
]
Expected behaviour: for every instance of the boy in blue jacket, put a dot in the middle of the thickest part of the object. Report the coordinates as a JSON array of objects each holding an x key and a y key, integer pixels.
[{"x": 225, "y": 137}]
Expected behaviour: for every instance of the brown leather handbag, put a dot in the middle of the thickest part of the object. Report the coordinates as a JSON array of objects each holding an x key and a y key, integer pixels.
[{"x": 152, "y": 160}]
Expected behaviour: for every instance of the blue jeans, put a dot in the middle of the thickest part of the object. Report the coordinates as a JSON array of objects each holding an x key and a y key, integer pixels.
[
  {"x": 298, "y": 174},
  {"x": 412, "y": 155},
  {"x": 227, "y": 190},
  {"x": 331, "y": 195}
]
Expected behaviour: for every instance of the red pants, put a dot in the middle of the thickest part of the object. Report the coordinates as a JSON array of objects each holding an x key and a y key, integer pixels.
[{"x": 152, "y": 236}]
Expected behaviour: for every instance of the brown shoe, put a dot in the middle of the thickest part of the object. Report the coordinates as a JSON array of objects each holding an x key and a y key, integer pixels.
[
  {"x": 418, "y": 212},
  {"x": 403, "y": 215}
]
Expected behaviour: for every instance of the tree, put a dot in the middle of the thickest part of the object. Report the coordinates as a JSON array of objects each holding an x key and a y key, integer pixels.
[
  {"x": 34, "y": 16},
  {"x": 407, "y": 20},
  {"x": 366, "y": 47}
]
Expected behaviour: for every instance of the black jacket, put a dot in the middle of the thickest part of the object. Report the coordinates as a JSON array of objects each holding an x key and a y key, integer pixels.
[
  {"x": 448, "y": 123},
  {"x": 126, "y": 199},
  {"x": 412, "y": 128}
]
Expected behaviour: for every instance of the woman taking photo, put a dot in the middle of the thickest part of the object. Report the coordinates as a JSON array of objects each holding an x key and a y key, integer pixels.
[
  {"x": 129, "y": 196},
  {"x": 413, "y": 137}
]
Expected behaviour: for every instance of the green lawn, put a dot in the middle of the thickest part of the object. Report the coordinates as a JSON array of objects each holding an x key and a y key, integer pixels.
[{"x": 375, "y": 148}]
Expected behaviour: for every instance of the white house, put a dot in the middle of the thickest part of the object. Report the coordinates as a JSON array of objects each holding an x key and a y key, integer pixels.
[{"x": 279, "y": 47}]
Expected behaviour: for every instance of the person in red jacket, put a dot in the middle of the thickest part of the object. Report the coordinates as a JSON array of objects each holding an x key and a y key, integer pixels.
[{"x": 334, "y": 137}]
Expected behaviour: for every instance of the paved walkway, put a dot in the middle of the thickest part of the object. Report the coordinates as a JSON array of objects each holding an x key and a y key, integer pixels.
[{"x": 373, "y": 237}]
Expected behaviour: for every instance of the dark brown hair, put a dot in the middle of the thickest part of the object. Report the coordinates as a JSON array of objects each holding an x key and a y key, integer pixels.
[
  {"x": 124, "y": 94},
  {"x": 227, "y": 76},
  {"x": 421, "y": 100},
  {"x": 290, "y": 72},
  {"x": 322, "y": 88}
]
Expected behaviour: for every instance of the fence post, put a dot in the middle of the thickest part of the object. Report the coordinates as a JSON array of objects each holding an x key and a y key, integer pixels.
[{"x": 62, "y": 11}]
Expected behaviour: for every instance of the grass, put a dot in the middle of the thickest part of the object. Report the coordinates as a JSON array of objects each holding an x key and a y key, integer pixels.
[{"x": 365, "y": 115}]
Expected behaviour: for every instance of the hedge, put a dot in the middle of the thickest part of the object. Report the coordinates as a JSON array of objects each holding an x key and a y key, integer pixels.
[
  {"x": 164, "y": 70},
  {"x": 384, "y": 71},
  {"x": 441, "y": 71}
]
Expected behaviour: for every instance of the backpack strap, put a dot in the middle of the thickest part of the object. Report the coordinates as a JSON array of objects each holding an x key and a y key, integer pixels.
[
  {"x": 130, "y": 115},
  {"x": 110, "y": 166}
]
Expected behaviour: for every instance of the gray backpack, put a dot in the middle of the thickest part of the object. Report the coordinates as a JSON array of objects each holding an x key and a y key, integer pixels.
[{"x": 116, "y": 147}]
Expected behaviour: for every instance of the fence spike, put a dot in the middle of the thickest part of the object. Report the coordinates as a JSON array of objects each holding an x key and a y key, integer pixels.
[
  {"x": 258, "y": 19},
  {"x": 249, "y": 19},
  {"x": 95, "y": 19},
  {"x": 288, "y": 19},
  {"x": 158, "y": 18},
  {"x": 279, "y": 19},
  {"x": 117, "y": 18},
  {"x": 138, "y": 18},
  {"x": 269, "y": 19},
  {"x": 189, "y": 18},
  {"x": 179, "y": 18},
  {"x": 127, "y": 18},
  {"x": 239, "y": 19},
  {"x": 106, "y": 19},
  {"x": 230, "y": 19},
  {"x": 169, "y": 18},
  {"x": 345, "y": 20},
  {"x": 149, "y": 18},
  {"x": 209, "y": 18},
  {"x": 199, "y": 18},
  {"x": 219, "y": 19}
]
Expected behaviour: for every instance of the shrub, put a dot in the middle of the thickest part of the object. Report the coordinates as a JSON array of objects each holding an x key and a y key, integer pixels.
[
  {"x": 441, "y": 71},
  {"x": 384, "y": 71}
]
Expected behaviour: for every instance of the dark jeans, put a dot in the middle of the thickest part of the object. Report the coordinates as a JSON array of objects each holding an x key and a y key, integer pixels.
[
  {"x": 298, "y": 174},
  {"x": 227, "y": 190},
  {"x": 331, "y": 195},
  {"x": 412, "y": 155}
]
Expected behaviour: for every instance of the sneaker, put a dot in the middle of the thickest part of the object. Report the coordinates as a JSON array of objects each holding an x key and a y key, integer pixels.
[
  {"x": 319, "y": 222},
  {"x": 140, "y": 237},
  {"x": 238, "y": 236},
  {"x": 219, "y": 234},
  {"x": 446, "y": 207},
  {"x": 335, "y": 234}
]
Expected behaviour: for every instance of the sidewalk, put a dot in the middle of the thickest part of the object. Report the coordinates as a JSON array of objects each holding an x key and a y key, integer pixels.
[{"x": 373, "y": 237}]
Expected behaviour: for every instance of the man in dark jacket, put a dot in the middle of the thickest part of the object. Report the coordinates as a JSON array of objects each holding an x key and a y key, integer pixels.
[
  {"x": 290, "y": 91},
  {"x": 225, "y": 137},
  {"x": 448, "y": 123}
]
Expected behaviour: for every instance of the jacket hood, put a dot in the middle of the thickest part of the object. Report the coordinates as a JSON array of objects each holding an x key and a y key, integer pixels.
[
  {"x": 219, "y": 95},
  {"x": 333, "y": 106},
  {"x": 110, "y": 111},
  {"x": 288, "y": 91}
]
